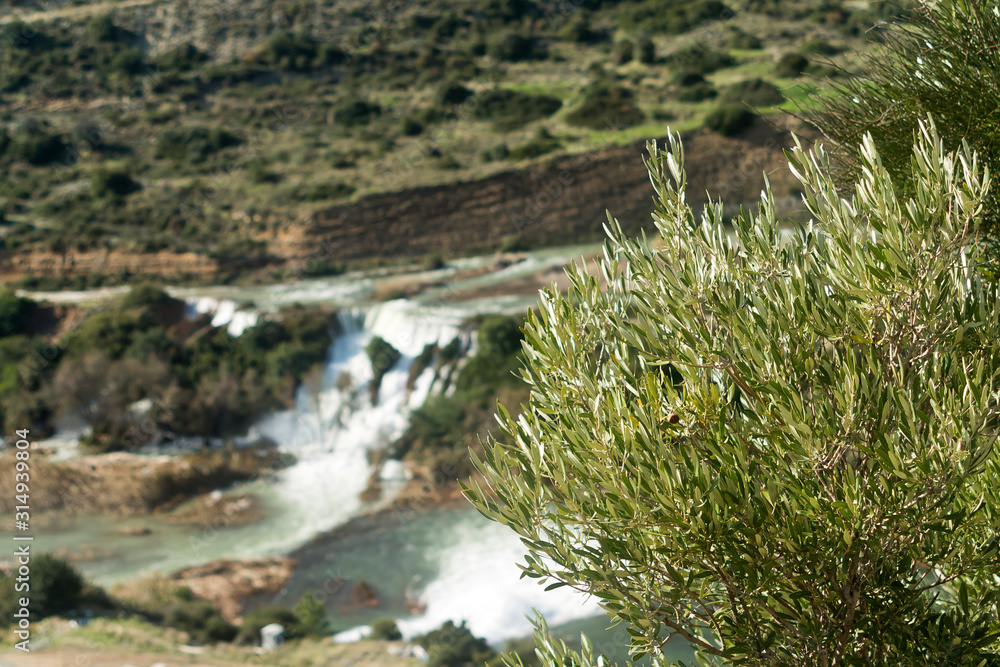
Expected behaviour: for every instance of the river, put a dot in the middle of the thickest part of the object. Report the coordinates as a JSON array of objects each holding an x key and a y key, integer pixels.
[{"x": 456, "y": 563}]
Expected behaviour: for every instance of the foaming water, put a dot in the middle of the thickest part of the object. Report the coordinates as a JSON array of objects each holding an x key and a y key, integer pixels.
[
  {"x": 332, "y": 431},
  {"x": 480, "y": 583}
]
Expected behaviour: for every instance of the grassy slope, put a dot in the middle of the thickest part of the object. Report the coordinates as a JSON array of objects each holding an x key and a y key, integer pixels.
[
  {"x": 297, "y": 155},
  {"x": 118, "y": 642}
]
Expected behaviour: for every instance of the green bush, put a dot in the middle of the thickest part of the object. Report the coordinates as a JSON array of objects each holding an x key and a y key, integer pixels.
[
  {"x": 311, "y": 617},
  {"x": 113, "y": 183},
  {"x": 955, "y": 81},
  {"x": 499, "y": 336},
  {"x": 101, "y": 28},
  {"x": 579, "y": 29},
  {"x": 764, "y": 536},
  {"x": 125, "y": 62},
  {"x": 385, "y": 629},
  {"x": 790, "y": 65},
  {"x": 410, "y": 126},
  {"x": 353, "y": 112},
  {"x": 451, "y": 93},
  {"x": 37, "y": 147},
  {"x": 249, "y": 632},
  {"x": 752, "y": 92},
  {"x": 696, "y": 92},
  {"x": 325, "y": 191},
  {"x": 512, "y": 109},
  {"x": 56, "y": 586},
  {"x": 298, "y": 52},
  {"x": 540, "y": 144},
  {"x": 730, "y": 120},
  {"x": 741, "y": 40},
  {"x": 200, "y": 620},
  {"x": 699, "y": 58},
  {"x": 495, "y": 154},
  {"x": 193, "y": 144},
  {"x": 454, "y": 646},
  {"x": 180, "y": 58},
  {"x": 820, "y": 47},
  {"x": 14, "y": 311},
  {"x": 607, "y": 107},
  {"x": 145, "y": 294},
  {"x": 672, "y": 17},
  {"x": 511, "y": 46},
  {"x": 624, "y": 52},
  {"x": 383, "y": 356},
  {"x": 647, "y": 51}
]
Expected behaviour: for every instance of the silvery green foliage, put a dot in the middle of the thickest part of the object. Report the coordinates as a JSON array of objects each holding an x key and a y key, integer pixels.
[{"x": 778, "y": 446}]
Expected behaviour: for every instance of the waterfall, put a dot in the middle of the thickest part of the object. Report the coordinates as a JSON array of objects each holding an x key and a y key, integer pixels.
[{"x": 332, "y": 431}]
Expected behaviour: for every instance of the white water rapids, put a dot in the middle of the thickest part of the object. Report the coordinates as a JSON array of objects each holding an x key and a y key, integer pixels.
[{"x": 331, "y": 432}]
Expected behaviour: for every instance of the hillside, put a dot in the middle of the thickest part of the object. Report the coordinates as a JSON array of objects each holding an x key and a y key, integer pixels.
[{"x": 202, "y": 140}]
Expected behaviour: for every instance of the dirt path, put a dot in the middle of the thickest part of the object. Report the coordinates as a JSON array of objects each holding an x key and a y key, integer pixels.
[
  {"x": 73, "y": 11},
  {"x": 73, "y": 657}
]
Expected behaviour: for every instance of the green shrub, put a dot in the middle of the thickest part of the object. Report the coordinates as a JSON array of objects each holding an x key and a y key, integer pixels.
[
  {"x": 495, "y": 154},
  {"x": 670, "y": 16},
  {"x": 579, "y": 29},
  {"x": 113, "y": 183},
  {"x": 145, "y": 294},
  {"x": 700, "y": 58},
  {"x": 14, "y": 311},
  {"x": 298, "y": 52},
  {"x": 791, "y": 65},
  {"x": 200, "y": 620},
  {"x": 56, "y": 586},
  {"x": 249, "y": 632},
  {"x": 820, "y": 47},
  {"x": 410, "y": 126},
  {"x": 353, "y": 112},
  {"x": 451, "y": 93},
  {"x": 647, "y": 51},
  {"x": 193, "y": 144},
  {"x": 432, "y": 262},
  {"x": 101, "y": 28},
  {"x": 126, "y": 62},
  {"x": 624, "y": 52},
  {"x": 37, "y": 147},
  {"x": 730, "y": 120},
  {"x": 181, "y": 58},
  {"x": 696, "y": 92},
  {"x": 385, "y": 629},
  {"x": 454, "y": 646},
  {"x": 311, "y": 616},
  {"x": 383, "y": 356},
  {"x": 606, "y": 106},
  {"x": 511, "y": 46},
  {"x": 447, "y": 162},
  {"x": 325, "y": 191},
  {"x": 542, "y": 143},
  {"x": 499, "y": 336},
  {"x": 511, "y": 109},
  {"x": 741, "y": 40},
  {"x": 752, "y": 92}
]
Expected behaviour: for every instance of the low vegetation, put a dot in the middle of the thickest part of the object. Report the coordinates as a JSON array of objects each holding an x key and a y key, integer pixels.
[
  {"x": 138, "y": 367},
  {"x": 213, "y": 155}
]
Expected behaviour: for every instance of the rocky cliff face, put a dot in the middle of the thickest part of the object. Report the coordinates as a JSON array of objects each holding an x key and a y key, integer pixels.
[{"x": 562, "y": 201}]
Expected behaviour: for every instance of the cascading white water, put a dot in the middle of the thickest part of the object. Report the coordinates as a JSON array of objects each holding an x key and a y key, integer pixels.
[
  {"x": 332, "y": 431},
  {"x": 480, "y": 583}
]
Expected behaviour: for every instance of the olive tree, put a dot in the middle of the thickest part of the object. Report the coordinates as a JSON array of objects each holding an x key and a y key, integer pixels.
[
  {"x": 776, "y": 444},
  {"x": 943, "y": 60}
]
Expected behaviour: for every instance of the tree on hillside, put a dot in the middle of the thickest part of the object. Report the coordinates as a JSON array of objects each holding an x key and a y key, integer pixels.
[
  {"x": 779, "y": 447},
  {"x": 943, "y": 61}
]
